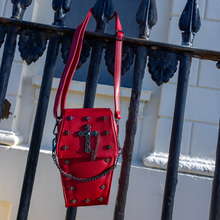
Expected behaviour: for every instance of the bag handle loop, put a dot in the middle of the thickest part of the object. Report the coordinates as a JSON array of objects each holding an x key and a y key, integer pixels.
[{"x": 73, "y": 60}]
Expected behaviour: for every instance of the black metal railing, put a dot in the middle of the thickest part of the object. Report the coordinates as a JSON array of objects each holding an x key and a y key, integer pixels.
[{"x": 161, "y": 56}]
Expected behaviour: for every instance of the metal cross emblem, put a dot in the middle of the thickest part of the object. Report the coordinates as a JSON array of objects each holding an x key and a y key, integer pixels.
[{"x": 87, "y": 133}]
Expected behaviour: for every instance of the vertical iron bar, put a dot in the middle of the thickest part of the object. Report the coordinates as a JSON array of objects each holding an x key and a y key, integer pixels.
[
  {"x": 215, "y": 201},
  {"x": 6, "y": 64},
  {"x": 146, "y": 17},
  {"x": 18, "y": 11},
  {"x": 71, "y": 213},
  {"x": 178, "y": 119},
  {"x": 131, "y": 128},
  {"x": 61, "y": 7},
  {"x": 37, "y": 133},
  {"x": 93, "y": 74},
  {"x": 89, "y": 99}
]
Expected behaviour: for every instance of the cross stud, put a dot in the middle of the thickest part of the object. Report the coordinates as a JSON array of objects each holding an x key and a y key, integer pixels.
[
  {"x": 68, "y": 132},
  {"x": 107, "y": 132},
  {"x": 102, "y": 186},
  {"x": 71, "y": 188},
  {"x": 73, "y": 201},
  {"x": 65, "y": 147},
  {"x": 71, "y": 118},
  {"x": 107, "y": 160},
  {"x": 66, "y": 162},
  {"x": 87, "y": 118},
  {"x": 87, "y": 200}
]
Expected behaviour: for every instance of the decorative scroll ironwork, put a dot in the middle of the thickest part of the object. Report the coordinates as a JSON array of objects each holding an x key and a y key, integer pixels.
[
  {"x": 32, "y": 45},
  {"x": 162, "y": 65},
  {"x": 146, "y": 17},
  {"x": 19, "y": 7},
  {"x": 61, "y": 7},
  {"x": 103, "y": 12},
  {"x": 2, "y": 34},
  {"x": 190, "y": 22},
  {"x": 84, "y": 53},
  {"x": 65, "y": 49},
  {"x": 127, "y": 57}
]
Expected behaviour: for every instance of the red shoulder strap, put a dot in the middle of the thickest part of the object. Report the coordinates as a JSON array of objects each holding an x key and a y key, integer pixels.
[{"x": 73, "y": 60}]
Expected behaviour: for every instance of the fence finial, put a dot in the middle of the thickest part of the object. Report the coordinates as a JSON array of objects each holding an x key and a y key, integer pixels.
[
  {"x": 19, "y": 7},
  {"x": 103, "y": 12},
  {"x": 190, "y": 22},
  {"x": 146, "y": 17},
  {"x": 61, "y": 7}
]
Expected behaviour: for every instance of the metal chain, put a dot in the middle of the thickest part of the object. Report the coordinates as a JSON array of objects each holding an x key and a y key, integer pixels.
[{"x": 68, "y": 175}]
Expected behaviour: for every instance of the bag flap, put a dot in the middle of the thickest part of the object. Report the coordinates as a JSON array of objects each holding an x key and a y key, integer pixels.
[{"x": 87, "y": 128}]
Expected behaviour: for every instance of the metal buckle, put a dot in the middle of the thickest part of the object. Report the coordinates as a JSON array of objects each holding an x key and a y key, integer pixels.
[{"x": 117, "y": 37}]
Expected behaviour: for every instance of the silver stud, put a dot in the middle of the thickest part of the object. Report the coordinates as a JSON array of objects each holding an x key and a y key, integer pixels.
[
  {"x": 109, "y": 147},
  {"x": 66, "y": 162},
  {"x": 71, "y": 188},
  {"x": 68, "y": 132},
  {"x": 107, "y": 132},
  {"x": 102, "y": 186},
  {"x": 100, "y": 199},
  {"x": 87, "y": 118},
  {"x": 71, "y": 118},
  {"x": 65, "y": 147},
  {"x": 87, "y": 200},
  {"x": 104, "y": 118},
  {"x": 74, "y": 201},
  {"x": 107, "y": 160}
]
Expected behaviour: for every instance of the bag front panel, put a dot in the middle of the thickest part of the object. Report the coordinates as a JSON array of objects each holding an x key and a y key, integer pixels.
[
  {"x": 86, "y": 193},
  {"x": 71, "y": 143}
]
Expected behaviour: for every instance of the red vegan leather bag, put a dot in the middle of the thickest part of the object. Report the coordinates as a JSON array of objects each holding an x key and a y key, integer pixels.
[{"x": 86, "y": 147}]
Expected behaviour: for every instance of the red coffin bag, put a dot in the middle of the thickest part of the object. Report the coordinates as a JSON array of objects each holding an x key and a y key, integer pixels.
[{"x": 86, "y": 148}]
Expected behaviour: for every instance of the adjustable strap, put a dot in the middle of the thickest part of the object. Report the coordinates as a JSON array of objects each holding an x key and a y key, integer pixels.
[{"x": 73, "y": 60}]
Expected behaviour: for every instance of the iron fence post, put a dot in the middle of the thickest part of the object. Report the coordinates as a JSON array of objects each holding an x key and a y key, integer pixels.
[
  {"x": 41, "y": 112},
  {"x": 176, "y": 136},
  {"x": 19, "y": 8},
  {"x": 6, "y": 64},
  {"x": 38, "y": 128},
  {"x": 131, "y": 128}
]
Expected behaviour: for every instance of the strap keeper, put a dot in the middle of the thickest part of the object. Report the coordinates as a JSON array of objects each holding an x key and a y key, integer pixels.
[
  {"x": 117, "y": 115},
  {"x": 117, "y": 36}
]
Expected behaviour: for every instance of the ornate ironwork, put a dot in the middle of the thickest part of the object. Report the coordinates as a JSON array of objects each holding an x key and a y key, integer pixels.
[
  {"x": 32, "y": 45},
  {"x": 19, "y": 7},
  {"x": 146, "y": 17},
  {"x": 190, "y": 22},
  {"x": 61, "y": 7},
  {"x": 65, "y": 49},
  {"x": 103, "y": 12},
  {"x": 127, "y": 57},
  {"x": 162, "y": 65}
]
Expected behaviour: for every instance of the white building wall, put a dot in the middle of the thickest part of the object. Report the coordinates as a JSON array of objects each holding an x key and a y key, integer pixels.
[{"x": 147, "y": 178}]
